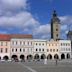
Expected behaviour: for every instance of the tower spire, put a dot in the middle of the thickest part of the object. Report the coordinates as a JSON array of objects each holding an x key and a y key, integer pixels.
[
  {"x": 54, "y": 13},
  {"x": 55, "y": 26}
]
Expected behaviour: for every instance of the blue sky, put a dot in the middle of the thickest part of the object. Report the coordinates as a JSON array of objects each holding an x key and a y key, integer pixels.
[{"x": 33, "y": 16}]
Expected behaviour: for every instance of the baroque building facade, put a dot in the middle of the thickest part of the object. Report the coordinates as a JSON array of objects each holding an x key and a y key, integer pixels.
[{"x": 27, "y": 48}]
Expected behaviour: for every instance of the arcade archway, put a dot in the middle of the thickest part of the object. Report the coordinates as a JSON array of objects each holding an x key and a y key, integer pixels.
[
  {"x": 49, "y": 56},
  {"x": 5, "y": 58},
  {"x": 29, "y": 57},
  {"x": 22, "y": 57},
  {"x": 56, "y": 56},
  {"x": 68, "y": 56},
  {"x": 14, "y": 57},
  {"x": 43, "y": 56},
  {"x": 62, "y": 56},
  {"x": 36, "y": 56}
]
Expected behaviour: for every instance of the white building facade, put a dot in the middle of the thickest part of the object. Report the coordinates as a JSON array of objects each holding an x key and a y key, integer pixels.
[
  {"x": 39, "y": 51},
  {"x": 65, "y": 49},
  {"x": 5, "y": 50},
  {"x": 53, "y": 49},
  {"x": 22, "y": 48},
  {"x": 32, "y": 49}
]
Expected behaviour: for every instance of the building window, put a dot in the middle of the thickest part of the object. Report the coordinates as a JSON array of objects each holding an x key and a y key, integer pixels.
[
  {"x": 36, "y": 43},
  {"x": 20, "y": 42},
  {"x": 42, "y": 49},
  {"x": 6, "y": 43},
  {"x": 56, "y": 29},
  {"x": 23, "y": 50},
  {"x": 52, "y": 44},
  {"x": 69, "y": 49},
  {"x": 66, "y": 49},
  {"x": 50, "y": 50},
  {"x": 39, "y": 43},
  {"x": 13, "y": 42},
  {"x": 53, "y": 50},
  {"x": 16, "y": 50},
  {"x": 43, "y": 44},
  {"x": 16, "y": 42},
  {"x": 36, "y": 50},
  {"x": 1, "y": 43},
  {"x": 31, "y": 43},
  {"x": 39, "y": 49},
  {"x": 31, "y": 49},
  {"x": 47, "y": 50},
  {"x": 57, "y": 35},
  {"x": 56, "y": 44},
  {"x": 12, "y": 50},
  {"x": 1, "y": 50},
  {"x": 57, "y": 50},
  {"x": 66, "y": 44},
  {"x": 20, "y": 50},
  {"x": 61, "y": 44},
  {"x": 28, "y": 43},
  {"x": 24, "y": 43},
  {"x": 6, "y": 50}
]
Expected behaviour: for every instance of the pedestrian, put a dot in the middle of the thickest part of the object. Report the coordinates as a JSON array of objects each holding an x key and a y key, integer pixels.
[{"x": 56, "y": 62}]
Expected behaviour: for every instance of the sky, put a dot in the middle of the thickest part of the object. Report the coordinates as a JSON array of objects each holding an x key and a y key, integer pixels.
[{"x": 34, "y": 17}]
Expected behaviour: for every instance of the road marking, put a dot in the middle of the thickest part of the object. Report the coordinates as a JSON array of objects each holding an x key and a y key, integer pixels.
[{"x": 30, "y": 69}]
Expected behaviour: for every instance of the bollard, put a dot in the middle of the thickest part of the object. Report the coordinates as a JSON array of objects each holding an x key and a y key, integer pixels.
[{"x": 45, "y": 61}]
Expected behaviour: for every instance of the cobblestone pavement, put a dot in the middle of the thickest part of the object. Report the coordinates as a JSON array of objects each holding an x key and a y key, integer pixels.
[{"x": 39, "y": 66}]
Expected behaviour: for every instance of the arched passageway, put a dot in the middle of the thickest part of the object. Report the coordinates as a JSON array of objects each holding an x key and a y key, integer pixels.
[
  {"x": 62, "y": 56},
  {"x": 68, "y": 56},
  {"x": 14, "y": 57},
  {"x": 29, "y": 57},
  {"x": 36, "y": 56},
  {"x": 56, "y": 56},
  {"x": 22, "y": 57},
  {"x": 43, "y": 56},
  {"x": 5, "y": 58},
  {"x": 49, "y": 56}
]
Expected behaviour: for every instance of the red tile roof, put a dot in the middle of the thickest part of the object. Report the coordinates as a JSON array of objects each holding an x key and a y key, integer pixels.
[
  {"x": 21, "y": 36},
  {"x": 7, "y": 37}
]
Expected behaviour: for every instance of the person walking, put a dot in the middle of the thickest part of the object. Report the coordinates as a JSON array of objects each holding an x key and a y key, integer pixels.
[{"x": 56, "y": 62}]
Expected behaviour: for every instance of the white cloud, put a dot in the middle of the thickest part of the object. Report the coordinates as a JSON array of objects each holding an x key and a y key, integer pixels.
[
  {"x": 20, "y": 20},
  {"x": 43, "y": 31},
  {"x": 11, "y": 7},
  {"x": 23, "y": 20},
  {"x": 66, "y": 20},
  {"x": 13, "y": 4},
  {"x": 66, "y": 25}
]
